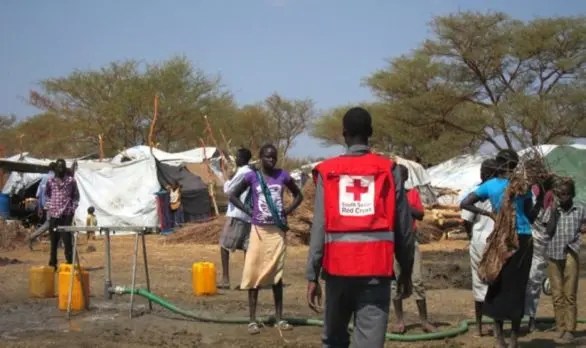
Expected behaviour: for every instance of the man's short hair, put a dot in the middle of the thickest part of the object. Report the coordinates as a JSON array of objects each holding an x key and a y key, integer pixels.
[
  {"x": 244, "y": 153},
  {"x": 357, "y": 122},
  {"x": 507, "y": 159},
  {"x": 569, "y": 183}
]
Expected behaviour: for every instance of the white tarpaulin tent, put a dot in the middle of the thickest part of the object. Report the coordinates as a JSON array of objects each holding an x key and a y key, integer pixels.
[
  {"x": 462, "y": 173},
  {"x": 197, "y": 155},
  {"x": 190, "y": 156},
  {"x": 123, "y": 193},
  {"x": 417, "y": 174},
  {"x": 418, "y": 177}
]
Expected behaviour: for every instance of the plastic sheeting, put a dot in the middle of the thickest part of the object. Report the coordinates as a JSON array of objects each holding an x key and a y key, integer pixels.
[
  {"x": 122, "y": 194},
  {"x": 190, "y": 156},
  {"x": 418, "y": 176},
  {"x": 463, "y": 172}
]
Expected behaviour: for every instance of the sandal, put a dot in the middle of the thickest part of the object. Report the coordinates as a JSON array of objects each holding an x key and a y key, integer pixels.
[
  {"x": 283, "y": 325},
  {"x": 253, "y": 328}
]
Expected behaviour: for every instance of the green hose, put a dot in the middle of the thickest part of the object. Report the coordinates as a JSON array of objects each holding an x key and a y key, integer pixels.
[{"x": 452, "y": 332}]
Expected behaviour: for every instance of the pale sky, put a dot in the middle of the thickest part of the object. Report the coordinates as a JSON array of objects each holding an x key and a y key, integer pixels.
[{"x": 318, "y": 49}]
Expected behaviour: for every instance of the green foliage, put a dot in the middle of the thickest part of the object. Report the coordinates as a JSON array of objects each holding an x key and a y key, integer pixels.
[
  {"x": 117, "y": 102},
  {"x": 277, "y": 120},
  {"x": 480, "y": 78}
]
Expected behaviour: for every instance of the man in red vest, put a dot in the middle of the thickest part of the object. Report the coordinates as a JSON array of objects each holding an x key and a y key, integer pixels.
[{"x": 361, "y": 222}]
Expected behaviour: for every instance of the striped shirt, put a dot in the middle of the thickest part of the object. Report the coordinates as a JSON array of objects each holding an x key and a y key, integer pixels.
[
  {"x": 567, "y": 233},
  {"x": 63, "y": 196}
]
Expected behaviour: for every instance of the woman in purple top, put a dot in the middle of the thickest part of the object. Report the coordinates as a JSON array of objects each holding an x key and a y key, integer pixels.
[{"x": 265, "y": 257}]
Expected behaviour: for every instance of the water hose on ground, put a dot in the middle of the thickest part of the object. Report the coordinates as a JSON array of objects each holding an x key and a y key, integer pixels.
[{"x": 451, "y": 332}]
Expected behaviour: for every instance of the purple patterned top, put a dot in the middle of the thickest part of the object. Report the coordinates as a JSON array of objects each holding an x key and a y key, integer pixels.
[
  {"x": 261, "y": 215},
  {"x": 63, "y": 196}
]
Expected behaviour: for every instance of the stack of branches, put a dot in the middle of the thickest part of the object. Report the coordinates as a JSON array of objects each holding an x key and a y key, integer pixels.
[
  {"x": 301, "y": 219},
  {"x": 438, "y": 222},
  {"x": 532, "y": 169}
]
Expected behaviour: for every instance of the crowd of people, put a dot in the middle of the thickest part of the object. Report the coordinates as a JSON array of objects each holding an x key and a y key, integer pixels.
[
  {"x": 363, "y": 242},
  {"x": 363, "y": 239},
  {"x": 549, "y": 226}
]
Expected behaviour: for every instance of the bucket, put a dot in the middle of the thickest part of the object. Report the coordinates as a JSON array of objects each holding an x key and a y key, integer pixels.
[
  {"x": 203, "y": 278},
  {"x": 41, "y": 282},
  {"x": 78, "y": 300},
  {"x": 4, "y": 205}
]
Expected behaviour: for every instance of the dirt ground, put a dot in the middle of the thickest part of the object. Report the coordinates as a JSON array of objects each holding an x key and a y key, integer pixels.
[{"x": 26, "y": 322}]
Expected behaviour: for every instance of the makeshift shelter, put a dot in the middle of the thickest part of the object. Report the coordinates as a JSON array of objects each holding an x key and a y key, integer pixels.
[
  {"x": 418, "y": 177},
  {"x": 208, "y": 158},
  {"x": 461, "y": 174},
  {"x": 195, "y": 198},
  {"x": 123, "y": 190}
]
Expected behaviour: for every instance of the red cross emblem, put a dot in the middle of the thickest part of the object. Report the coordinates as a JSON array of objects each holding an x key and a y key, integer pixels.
[{"x": 357, "y": 189}]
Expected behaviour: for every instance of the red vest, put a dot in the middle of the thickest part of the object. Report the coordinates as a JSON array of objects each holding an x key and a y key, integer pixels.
[{"x": 359, "y": 205}]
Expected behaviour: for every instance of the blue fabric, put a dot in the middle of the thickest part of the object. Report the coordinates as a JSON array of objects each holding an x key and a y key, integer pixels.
[{"x": 494, "y": 190}]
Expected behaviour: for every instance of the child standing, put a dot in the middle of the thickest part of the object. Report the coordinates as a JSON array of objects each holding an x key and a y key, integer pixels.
[
  {"x": 417, "y": 212},
  {"x": 564, "y": 220},
  {"x": 91, "y": 220}
]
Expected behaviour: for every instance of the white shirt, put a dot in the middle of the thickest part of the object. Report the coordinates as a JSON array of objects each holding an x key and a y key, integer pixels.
[
  {"x": 482, "y": 225},
  {"x": 229, "y": 185}
]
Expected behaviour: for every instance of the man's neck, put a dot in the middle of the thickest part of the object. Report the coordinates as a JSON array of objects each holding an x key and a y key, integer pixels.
[{"x": 349, "y": 144}]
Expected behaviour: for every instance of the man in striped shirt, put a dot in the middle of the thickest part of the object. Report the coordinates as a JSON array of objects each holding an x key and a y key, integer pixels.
[{"x": 63, "y": 199}]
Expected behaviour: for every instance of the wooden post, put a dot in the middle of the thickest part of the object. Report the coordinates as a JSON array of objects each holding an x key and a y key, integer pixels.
[
  {"x": 20, "y": 147},
  {"x": 153, "y": 122},
  {"x": 211, "y": 136},
  {"x": 101, "y": 144},
  {"x": 211, "y": 185}
]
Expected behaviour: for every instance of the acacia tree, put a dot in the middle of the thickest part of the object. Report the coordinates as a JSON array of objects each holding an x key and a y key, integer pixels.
[
  {"x": 277, "y": 120},
  {"x": 288, "y": 119},
  {"x": 117, "y": 102},
  {"x": 483, "y": 77}
]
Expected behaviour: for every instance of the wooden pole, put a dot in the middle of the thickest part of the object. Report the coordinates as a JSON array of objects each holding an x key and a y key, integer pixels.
[
  {"x": 209, "y": 130},
  {"x": 211, "y": 185},
  {"x": 101, "y": 144},
  {"x": 20, "y": 147},
  {"x": 211, "y": 136},
  {"x": 153, "y": 122},
  {"x": 228, "y": 158}
]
